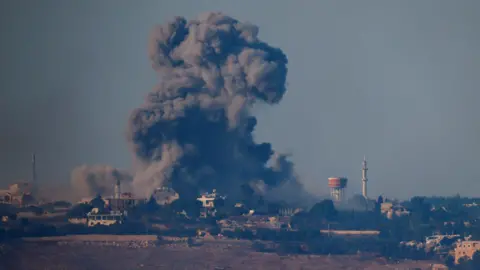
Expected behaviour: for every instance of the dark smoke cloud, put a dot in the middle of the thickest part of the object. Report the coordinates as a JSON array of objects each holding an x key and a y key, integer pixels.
[
  {"x": 95, "y": 180},
  {"x": 194, "y": 130}
]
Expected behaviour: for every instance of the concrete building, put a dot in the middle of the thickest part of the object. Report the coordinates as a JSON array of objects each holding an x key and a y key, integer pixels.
[
  {"x": 390, "y": 210},
  {"x": 474, "y": 204},
  {"x": 95, "y": 218},
  {"x": 123, "y": 201},
  {"x": 437, "y": 239},
  {"x": 208, "y": 199},
  {"x": 466, "y": 249},
  {"x": 208, "y": 203},
  {"x": 17, "y": 194},
  {"x": 288, "y": 211}
]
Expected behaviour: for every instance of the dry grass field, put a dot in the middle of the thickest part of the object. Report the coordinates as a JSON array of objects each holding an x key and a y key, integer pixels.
[{"x": 50, "y": 256}]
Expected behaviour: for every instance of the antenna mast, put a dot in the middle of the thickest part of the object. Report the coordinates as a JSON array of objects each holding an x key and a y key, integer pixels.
[{"x": 364, "y": 177}]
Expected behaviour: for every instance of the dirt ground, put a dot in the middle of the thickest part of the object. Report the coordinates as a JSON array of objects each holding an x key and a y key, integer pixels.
[{"x": 32, "y": 256}]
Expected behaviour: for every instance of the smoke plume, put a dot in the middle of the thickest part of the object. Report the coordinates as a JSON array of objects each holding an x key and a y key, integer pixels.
[
  {"x": 96, "y": 180},
  {"x": 194, "y": 130}
]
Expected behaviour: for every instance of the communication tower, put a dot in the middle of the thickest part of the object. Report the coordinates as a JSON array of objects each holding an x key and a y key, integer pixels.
[{"x": 364, "y": 177}]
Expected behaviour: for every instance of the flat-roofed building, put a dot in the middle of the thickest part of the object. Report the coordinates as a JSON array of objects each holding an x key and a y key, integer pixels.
[
  {"x": 17, "y": 194},
  {"x": 124, "y": 201},
  {"x": 466, "y": 249}
]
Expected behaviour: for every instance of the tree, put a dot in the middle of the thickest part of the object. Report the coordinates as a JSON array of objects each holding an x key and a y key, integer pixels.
[
  {"x": 62, "y": 204},
  {"x": 191, "y": 207},
  {"x": 420, "y": 210},
  {"x": 219, "y": 203},
  {"x": 380, "y": 200},
  {"x": 450, "y": 261},
  {"x": 476, "y": 260},
  {"x": 7, "y": 209},
  {"x": 324, "y": 210},
  {"x": 27, "y": 199},
  {"x": 472, "y": 264},
  {"x": 145, "y": 209},
  {"x": 98, "y": 202},
  {"x": 274, "y": 208},
  {"x": 79, "y": 210},
  {"x": 152, "y": 206},
  {"x": 378, "y": 204}
]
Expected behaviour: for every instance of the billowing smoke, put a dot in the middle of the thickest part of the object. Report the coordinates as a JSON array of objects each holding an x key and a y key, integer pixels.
[
  {"x": 194, "y": 130},
  {"x": 96, "y": 180}
]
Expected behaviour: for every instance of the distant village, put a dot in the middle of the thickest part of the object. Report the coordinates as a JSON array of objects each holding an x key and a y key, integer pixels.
[{"x": 443, "y": 229}]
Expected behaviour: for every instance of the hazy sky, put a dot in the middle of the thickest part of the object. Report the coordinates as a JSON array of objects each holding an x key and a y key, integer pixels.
[{"x": 397, "y": 81}]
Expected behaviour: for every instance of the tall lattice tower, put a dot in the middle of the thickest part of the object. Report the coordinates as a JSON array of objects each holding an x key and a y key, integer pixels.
[{"x": 364, "y": 177}]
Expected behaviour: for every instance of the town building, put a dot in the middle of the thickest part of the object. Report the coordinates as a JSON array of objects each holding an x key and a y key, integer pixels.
[
  {"x": 123, "y": 201},
  {"x": 466, "y": 249},
  {"x": 390, "y": 210},
  {"x": 208, "y": 199},
  {"x": 289, "y": 211},
  {"x": 473, "y": 204},
  {"x": 165, "y": 195},
  {"x": 439, "y": 238},
  {"x": 95, "y": 218},
  {"x": 17, "y": 194}
]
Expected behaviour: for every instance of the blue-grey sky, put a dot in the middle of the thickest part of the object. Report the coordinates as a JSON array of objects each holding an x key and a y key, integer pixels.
[{"x": 397, "y": 81}]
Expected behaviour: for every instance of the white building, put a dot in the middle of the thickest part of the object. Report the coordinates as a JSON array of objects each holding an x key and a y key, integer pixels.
[
  {"x": 95, "y": 218},
  {"x": 208, "y": 199}
]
